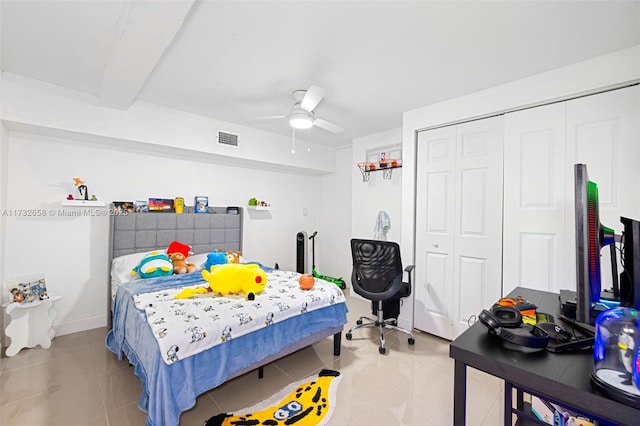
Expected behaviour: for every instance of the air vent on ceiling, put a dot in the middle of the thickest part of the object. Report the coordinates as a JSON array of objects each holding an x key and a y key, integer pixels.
[{"x": 226, "y": 138}]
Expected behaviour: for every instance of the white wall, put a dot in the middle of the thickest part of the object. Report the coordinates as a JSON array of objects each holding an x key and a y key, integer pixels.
[
  {"x": 54, "y": 134},
  {"x": 333, "y": 252},
  {"x": 378, "y": 194},
  {"x": 73, "y": 251},
  {"x": 35, "y": 106},
  {"x": 4, "y": 145}
]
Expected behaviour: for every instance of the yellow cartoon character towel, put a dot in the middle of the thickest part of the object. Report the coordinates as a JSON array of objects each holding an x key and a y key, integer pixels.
[{"x": 309, "y": 403}]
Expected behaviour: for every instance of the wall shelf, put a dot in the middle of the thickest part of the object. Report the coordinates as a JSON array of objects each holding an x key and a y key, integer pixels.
[
  {"x": 83, "y": 203},
  {"x": 259, "y": 207}
]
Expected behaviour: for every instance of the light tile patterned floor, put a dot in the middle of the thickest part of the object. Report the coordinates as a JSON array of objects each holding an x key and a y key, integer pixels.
[{"x": 78, "y": 381}]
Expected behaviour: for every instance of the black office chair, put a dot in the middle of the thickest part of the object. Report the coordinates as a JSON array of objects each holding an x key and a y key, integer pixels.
[{"x": 378, "y": 276}]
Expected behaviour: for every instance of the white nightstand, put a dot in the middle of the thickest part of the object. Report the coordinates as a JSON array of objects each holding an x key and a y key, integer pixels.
[{"x": 31, "y": 324}]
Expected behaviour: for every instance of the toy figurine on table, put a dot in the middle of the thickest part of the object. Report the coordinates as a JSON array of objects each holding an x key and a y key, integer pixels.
[{"x": 626, "y": 346}]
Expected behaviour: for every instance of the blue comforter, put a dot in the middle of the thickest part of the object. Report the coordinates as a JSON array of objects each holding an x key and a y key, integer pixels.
[{"x": 168, "y": 390}]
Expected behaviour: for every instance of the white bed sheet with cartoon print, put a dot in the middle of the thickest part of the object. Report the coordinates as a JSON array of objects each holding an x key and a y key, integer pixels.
[{"x": 185, "y": 327}]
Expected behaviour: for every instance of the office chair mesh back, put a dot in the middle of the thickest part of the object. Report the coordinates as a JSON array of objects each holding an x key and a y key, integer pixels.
[{"x": 377, "y": 269}]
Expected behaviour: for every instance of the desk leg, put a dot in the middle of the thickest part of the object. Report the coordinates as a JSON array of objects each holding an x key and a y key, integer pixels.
[
  {"x": 459, "y": 393},
  {"x": 520, "y": 400},
  {"x": 508, "y": 403}
]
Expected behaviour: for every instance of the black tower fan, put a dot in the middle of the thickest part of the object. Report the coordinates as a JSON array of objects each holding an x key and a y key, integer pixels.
[{"x": 301, "y": 252}]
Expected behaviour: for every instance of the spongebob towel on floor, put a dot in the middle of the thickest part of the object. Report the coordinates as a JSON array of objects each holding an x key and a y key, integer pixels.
[{"x": 308, "y": 402}]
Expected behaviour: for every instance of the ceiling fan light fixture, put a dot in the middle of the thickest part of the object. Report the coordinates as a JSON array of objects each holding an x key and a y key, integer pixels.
[{"x": 300, "y": 120}]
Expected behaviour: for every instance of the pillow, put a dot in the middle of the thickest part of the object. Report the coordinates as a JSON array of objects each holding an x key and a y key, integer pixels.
[
  {"x": 198, "y": 260},
  {"x": 122, "y": 266}
]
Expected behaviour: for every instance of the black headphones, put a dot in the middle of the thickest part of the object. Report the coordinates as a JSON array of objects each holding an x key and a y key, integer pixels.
[
  {"x": 520, "y": 334},
  {"x": 508, "y": 316}
]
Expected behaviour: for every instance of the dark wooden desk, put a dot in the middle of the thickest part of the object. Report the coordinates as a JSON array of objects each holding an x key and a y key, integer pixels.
[{"x": 562, "y": 378}]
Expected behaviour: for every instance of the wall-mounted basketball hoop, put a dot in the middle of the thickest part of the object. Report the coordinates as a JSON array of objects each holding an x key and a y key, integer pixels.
[
  {"x": 387, "y": 166},
  {"x": 366, "y": 168}
]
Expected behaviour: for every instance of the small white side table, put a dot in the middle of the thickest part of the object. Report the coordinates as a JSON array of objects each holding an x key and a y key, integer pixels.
[{"x": 31, "y": 324}]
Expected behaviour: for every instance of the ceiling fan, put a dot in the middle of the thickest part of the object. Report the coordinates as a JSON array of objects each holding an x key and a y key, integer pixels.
[{"x": 301, "y": 115}]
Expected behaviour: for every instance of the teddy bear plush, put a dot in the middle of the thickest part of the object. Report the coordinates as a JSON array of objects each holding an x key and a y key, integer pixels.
[
  {"x": 180, "y": 264},
  {"x": 233, "y": 257}
]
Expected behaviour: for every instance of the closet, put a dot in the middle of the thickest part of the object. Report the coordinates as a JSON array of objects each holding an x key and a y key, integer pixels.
[
  {"x": 458, "y": 224},
  {"x": 543, "y": 143},
  {"x": 494, "y": 201}
]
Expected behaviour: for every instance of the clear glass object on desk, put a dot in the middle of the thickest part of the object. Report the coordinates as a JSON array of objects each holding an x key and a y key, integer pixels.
[{"x": 616, "y": 369}]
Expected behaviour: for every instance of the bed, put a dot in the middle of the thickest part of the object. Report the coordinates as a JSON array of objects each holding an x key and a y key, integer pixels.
[{"x": 170, "y": 384}]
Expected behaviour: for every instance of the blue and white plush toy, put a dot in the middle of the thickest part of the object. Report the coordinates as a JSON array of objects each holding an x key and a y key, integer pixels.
[
  {"x": 215, "y": 258},
  {"x": 155, "y": 264}
]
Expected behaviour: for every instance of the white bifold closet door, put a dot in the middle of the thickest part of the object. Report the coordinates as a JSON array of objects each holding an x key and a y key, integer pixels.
[
  {"x": 535, "y": 198},
  {"x": 458, "y": 225},
  {"x": 541, "y": 146}
]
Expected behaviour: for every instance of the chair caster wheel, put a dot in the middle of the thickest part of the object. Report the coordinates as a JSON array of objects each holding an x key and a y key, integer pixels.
[
  {"x": 382, "y": 350},
  {"x": 348, "y": 336},
  {"x": 412, "y": 341},
  {"x": 359, "y": 322}
]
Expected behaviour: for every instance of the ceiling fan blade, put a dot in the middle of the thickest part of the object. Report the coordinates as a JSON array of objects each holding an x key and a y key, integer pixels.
[
  {"x": 323, "y": 124},
  {"x": 312, "y": 98},
  {"x": 269, "y": 117}
]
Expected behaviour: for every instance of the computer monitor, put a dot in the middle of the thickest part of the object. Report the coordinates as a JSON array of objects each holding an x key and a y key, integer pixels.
[
  {"x": 630, "y": 259},
  {"x": 591, "y": 237}
]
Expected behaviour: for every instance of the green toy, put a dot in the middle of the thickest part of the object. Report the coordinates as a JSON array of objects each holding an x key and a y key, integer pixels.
[{"x": 337, "y": 281}]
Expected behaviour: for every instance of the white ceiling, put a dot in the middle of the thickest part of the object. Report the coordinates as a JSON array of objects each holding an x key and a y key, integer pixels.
[{"x": 238, "y": 61}]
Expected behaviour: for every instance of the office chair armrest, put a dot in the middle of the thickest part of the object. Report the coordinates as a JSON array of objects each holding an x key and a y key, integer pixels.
[{"x": 408, "y": 270}]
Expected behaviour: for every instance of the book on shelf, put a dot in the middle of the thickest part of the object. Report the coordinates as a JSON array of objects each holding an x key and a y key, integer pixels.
[
  {"x": 27, "y": 289},
  {"x": 142, "y": 206},
  {"x": 123, "y": 206},
  {"x": 162, "y": 205},
  {"x": 201, "y": 204}
]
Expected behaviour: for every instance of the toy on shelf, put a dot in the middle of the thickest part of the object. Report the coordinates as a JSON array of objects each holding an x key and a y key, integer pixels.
[
  {"x": 179, "y": 205},
  {"x": 70, "y": 197},
  {"x": 82, "y": 188},
  {"x": 257, "y": 203}
]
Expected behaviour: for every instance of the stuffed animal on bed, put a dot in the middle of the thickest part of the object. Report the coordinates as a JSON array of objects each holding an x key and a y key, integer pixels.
[
  {"x": 215, "y": 258},
  {"x": 233, "y": 257},
  {"x": 155, "y": 264},
  {"x": 180, "y": 264},
  {"x": 233, "y": 278}
]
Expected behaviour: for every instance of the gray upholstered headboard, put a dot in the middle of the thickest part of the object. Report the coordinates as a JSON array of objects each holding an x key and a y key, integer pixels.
[{"x": 220, "y": 229}]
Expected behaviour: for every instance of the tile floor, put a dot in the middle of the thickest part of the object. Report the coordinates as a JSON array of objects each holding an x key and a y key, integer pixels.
[{"x": 78, "y": 381}]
